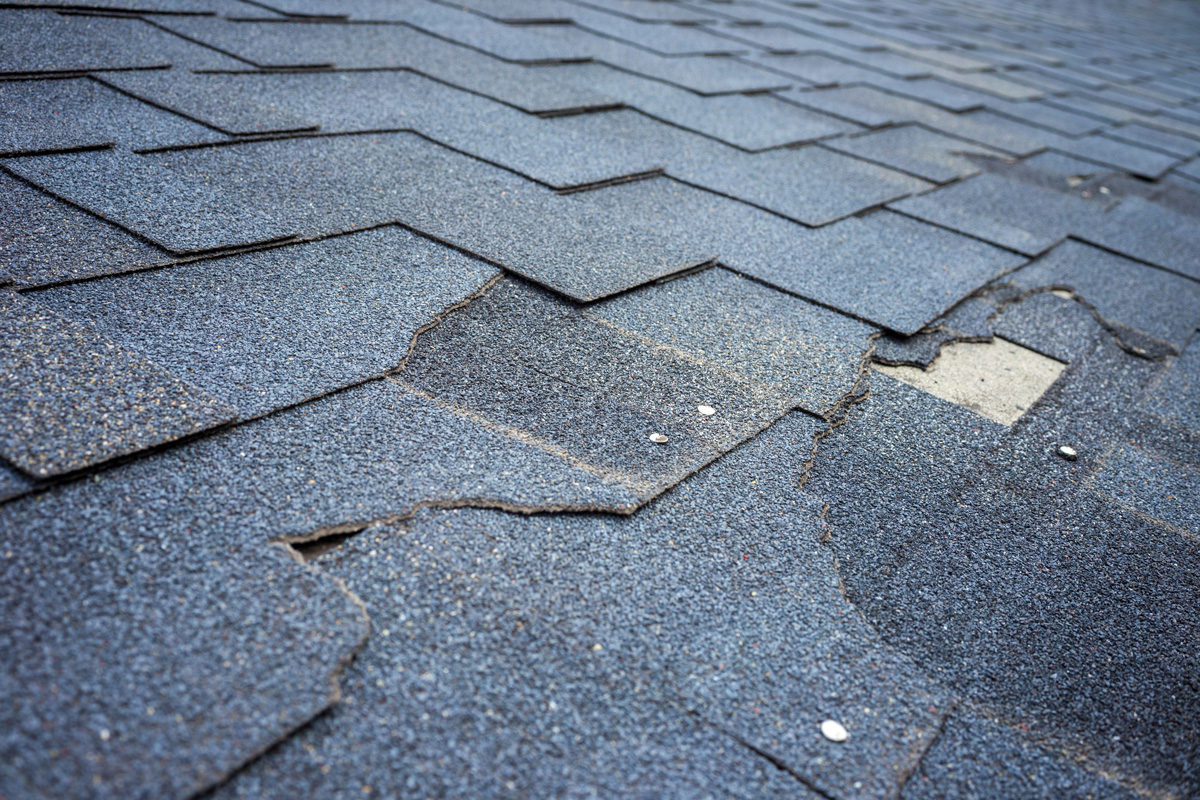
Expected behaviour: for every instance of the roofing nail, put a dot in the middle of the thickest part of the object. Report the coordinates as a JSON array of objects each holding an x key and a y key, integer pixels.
[
  {"x": 1067, "y": 452},
  {"x": 707, "y": 411},
  {"x": 658, "y": 438},
  {"x": 833, "y": 731}
]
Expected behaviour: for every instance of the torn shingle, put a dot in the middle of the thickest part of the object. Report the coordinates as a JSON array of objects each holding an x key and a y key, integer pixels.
[
  {"x": 269, "y": 329},
  {"x": 140, "y": 664},
  {"x": 616, "y": 631},
  {"x": 809, "y": 353},
  {"x": 1122, "y": 291},
  {"x": 525, "y": 361}
]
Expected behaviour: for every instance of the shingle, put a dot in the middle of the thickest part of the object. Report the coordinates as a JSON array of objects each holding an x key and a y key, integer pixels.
[
  {"x": 1114, "y": 153},
  {"x": 221, "y": 7},
  {"x": 1149, "y": 232},
  {"x": 655, "y": 10},
  {"x": 616, "y": 232},
  {"x": 144, "y": 195},
  {"x": 809, "y": 184},
  {"x": 1136, "y": 98},
  {"x": 1020, "y": 216},
  {"x": 86, "y": 114},
  {"x": 817, "y": 70},
  {"x": 976, "y": 756},
  {"x": 1191, "y": 169},
  {"x": 73, "y": 398},
  {"x": 780, "y": 39},
  {"x": 1122, "y": 291},
  {"x": 1083, "y": 105},
  {"x": 672, "y": 40},
  {"x": 892, "y": 271},
  {"x": 1054, "y": 326},
  {"x": 1154, "y": 484},
  {"x": 755, "y": 614},
  {"x": 1044, "y": 79},
  {"x": 46, "y": 240},
  {"x": 51, "y": 42},
  {"x": 753, "y": 122},
  {"x": 1136, "y": 133},
  {"x": 571, "y": 151},
  {"x": 916, "y": 150},
  {"x": 140, "y": 665},
  {"x": 935, "y": 585},
  {"x": 13, "y": 483},
  {"x": 523, "y": 12},
  {"x": 933, "y": 90},
  {"x": 995, "y": 131},
  {"x": 808, "y": 353},
  {"x": 481, "y": 691},
  {"x": 866, "y": 105},
  {"x": 43, "y": 41},
  {"x": 269, "y": 329},
  {"x": 219, "y": 100},
  {"x": 1047, "y": 116},
  {"x": 988, "y": 82},
  {"x": 267, "y": 43},
  {"x": 1177, "y": 397},
  {"x": 512, "y": 42},
  {"x": 949, "y": 59},
  {"x": 526, "y": 361}
]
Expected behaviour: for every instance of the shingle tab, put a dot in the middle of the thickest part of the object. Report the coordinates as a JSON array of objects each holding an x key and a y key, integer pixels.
[
  {"x": 86, "y": 114},
  {"x": 54, "y": 43},
  {"x": 916, "y": 150},
  {"x": 1149, "y": 232},
  {"x": 528, "y": 228},
  {"x": 268, "y": 329},
  {"x": 1122, "y": 291},
  {"x": 46, "y": 240},
  {"x": 600, "y": 392},
  {"x": 73, "y": 398},
  {"x": 890, "y": 270},
  {"x": 809, "y": 353},
  {"x": 1023, "y": 217}
]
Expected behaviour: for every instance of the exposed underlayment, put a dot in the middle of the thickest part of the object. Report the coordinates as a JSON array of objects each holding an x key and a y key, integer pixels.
[
  {"x": 997, "y": 379},
  {"x": 619, "y": 398}
]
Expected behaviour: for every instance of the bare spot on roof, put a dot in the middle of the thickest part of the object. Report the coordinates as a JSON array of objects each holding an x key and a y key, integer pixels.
[{"x": 997, "y": 379}]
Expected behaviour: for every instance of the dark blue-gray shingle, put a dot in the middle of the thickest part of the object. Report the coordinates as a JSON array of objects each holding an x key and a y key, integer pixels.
[{"x": 72, "y": 398}]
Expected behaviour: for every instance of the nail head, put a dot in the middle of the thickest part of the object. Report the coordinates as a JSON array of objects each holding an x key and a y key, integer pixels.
[
  {"x": 658, "y": 438},
  {"x": 833, "y": 731}
]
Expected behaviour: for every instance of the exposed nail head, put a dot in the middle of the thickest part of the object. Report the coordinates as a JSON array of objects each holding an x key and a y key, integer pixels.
[
  {"x": 1067, "y": 452},
  {"x": 707, "y": 411},
  {"x": 833, "y": 731},
  {"x": 658, "y": 438}
]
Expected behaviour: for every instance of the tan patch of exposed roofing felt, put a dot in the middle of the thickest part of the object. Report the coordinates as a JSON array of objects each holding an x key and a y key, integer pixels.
[{"x": 407, "y": 398}]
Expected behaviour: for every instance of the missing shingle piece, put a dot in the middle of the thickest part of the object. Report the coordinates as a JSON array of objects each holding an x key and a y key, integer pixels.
[{"x": 997, "y": 379}]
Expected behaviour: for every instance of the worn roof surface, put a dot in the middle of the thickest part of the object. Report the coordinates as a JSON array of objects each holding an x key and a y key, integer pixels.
[{"x": 591, "y": 398}]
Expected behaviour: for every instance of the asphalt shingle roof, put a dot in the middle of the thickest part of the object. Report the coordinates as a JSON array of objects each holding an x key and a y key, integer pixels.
[{"x": 416, "y": 398}]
